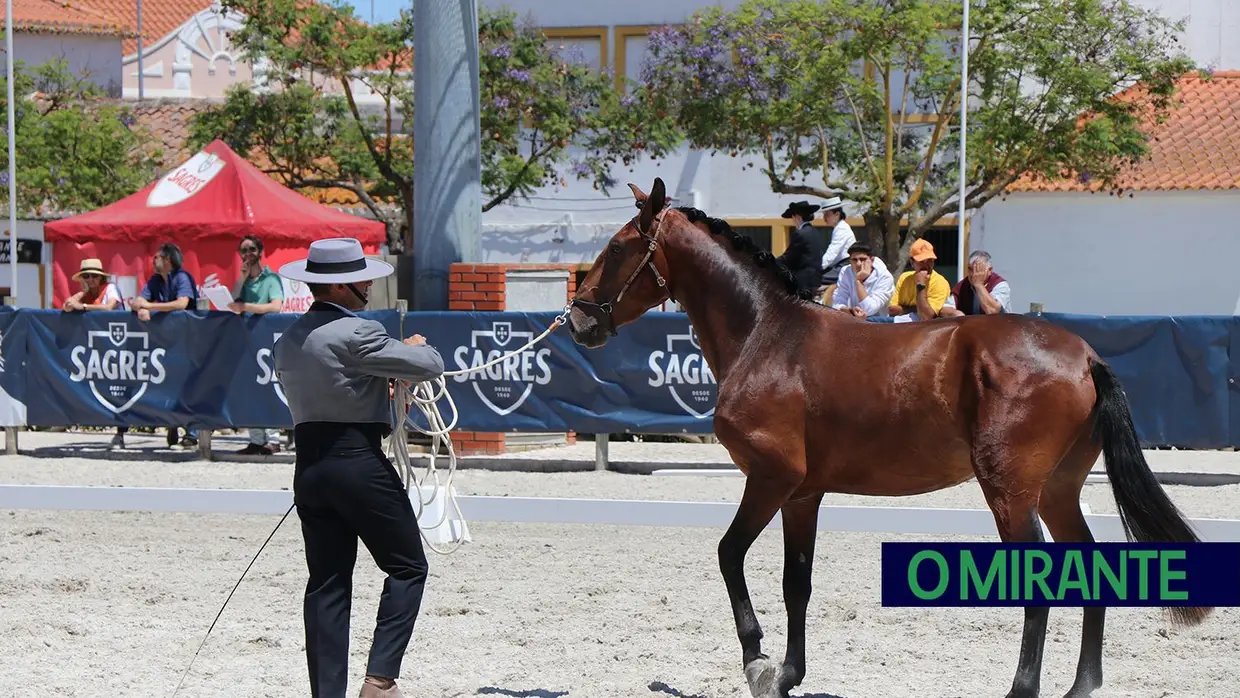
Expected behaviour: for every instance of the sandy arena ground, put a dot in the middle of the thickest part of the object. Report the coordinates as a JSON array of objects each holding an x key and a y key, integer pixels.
[{"x": 115, "y": 604}]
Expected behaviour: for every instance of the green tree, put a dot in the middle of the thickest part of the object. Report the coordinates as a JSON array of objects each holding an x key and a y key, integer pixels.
[
  {"x": 76, "y": 151},
  {"x": 847, "y": 91},
  {"x": 542, "y": 117}
]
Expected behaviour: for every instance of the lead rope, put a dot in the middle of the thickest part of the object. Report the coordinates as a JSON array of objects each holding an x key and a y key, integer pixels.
[{"x": 425, "y": 396}]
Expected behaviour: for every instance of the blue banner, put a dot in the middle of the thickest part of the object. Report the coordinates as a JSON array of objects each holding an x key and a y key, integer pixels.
[
  {"x": 1061, "y": 574},
  {"x": 13, "y": 334},
  {"x": 1175, "y": 371},
  {"x": 214, "y": 370},
  {"x": 177, "y": 369},
  {"x": 651, "y": 378}
]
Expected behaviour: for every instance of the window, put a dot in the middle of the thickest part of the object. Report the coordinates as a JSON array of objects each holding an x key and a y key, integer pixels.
[
  {"x": 584, "y": 45},
  {"x": 630, "y": 52}
]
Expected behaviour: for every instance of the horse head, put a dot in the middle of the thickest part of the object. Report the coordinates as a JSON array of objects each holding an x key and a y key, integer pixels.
[{"x": 629, "y": 276}]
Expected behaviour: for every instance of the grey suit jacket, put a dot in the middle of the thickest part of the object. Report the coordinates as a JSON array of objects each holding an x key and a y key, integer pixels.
[{"x": 334, "y": 366}]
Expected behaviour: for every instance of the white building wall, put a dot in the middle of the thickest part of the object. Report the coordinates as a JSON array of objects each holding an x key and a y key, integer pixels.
[
  {"x": 568, "y": 224},
  {"x": 1158, "y": 253},
  {"x": 97, "y": 58}
]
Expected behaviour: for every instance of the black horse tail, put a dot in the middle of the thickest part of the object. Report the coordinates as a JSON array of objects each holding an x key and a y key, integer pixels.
[{"x": 1146, "y": 512}]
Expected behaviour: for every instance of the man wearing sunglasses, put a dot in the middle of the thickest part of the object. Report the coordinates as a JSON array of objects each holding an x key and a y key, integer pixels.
[{"x": 258, "y": 291}]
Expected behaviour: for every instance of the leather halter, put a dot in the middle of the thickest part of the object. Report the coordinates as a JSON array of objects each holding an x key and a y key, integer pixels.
[{"x": 607, "y": 307}]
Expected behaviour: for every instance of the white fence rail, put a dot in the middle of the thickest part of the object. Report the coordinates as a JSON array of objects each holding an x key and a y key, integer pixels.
[{"x": 858, "y": 519}]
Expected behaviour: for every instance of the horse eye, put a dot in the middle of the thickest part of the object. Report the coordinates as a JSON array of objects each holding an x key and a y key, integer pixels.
[{"x": 614, "y": 250}]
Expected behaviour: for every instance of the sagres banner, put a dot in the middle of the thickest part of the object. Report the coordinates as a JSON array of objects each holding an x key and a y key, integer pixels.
[
  {"x": 104, "y": 368},
  {"x": 651, "y": 378}
]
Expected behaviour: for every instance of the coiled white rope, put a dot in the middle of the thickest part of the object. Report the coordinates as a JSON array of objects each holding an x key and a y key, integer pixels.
[{"x": 425, "y": 396}]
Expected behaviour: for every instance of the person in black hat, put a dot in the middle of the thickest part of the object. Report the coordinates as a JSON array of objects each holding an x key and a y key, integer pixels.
[{"x": 806, "y": 245}]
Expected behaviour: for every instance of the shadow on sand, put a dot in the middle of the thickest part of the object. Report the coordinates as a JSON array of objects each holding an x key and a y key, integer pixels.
[
  {"x": 660, "y": 687},
  {"x": 532, "y": 693}
]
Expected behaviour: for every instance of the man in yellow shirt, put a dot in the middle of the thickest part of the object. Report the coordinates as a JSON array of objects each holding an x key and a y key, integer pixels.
[{"x": 920, "y": 293}]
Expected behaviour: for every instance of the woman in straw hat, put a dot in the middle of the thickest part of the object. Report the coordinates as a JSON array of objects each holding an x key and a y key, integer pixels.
[
  {"x": 335, "y": 367},
  {"x": 97, "y": 292}
]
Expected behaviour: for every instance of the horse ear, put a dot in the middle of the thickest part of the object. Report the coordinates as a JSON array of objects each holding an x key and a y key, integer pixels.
[
  {"x": 638, "y": 194},
  {"x": 653, "y": 204}
]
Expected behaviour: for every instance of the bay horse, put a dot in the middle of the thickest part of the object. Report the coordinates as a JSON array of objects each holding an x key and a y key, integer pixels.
[{"x": 812, "y": 400}]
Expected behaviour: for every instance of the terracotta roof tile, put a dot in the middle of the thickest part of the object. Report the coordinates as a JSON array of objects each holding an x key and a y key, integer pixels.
[
  {"x": 159, "y": 18},
  {"x": 168, "y": 121},
  {"x": 1194, "y": 148},
  {"x": 63, "y": 17}
]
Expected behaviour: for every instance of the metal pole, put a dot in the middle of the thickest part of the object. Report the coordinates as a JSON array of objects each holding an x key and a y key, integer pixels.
[
  {"x": 8, "y": 42},
  {"x": 447, "y": 169},
  {"x": 601, "y": 459},
  {"x": 961, "y": 271},
  {"x": 141, "y": 92}
]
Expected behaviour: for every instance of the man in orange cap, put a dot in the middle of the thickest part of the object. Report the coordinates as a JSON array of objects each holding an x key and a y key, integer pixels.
[{"x": 922, "y": 291}]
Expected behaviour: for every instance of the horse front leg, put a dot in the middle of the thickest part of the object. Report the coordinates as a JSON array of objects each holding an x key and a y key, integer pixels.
[
  {"x": 763, "y": 497},
  {"x": 800, "y": 522}
]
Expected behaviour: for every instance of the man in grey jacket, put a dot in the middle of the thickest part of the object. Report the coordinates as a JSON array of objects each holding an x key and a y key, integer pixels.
[{"x": 335, "y": 369}]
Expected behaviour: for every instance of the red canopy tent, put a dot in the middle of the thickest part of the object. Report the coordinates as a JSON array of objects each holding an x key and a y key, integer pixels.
[{"x": 205, "y": 206}]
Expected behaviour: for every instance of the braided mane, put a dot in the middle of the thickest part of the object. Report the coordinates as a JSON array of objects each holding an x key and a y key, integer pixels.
[{"x": 744, "y": 243}]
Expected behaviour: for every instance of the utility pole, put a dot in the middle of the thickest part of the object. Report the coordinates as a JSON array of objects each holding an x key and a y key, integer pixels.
[
  {"x": 141, "y": 91},
  {"x": 448, "y": 156},
  {"x": 8, "y": 43}
]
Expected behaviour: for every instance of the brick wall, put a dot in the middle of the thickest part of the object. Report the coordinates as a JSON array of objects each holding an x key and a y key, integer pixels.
[{"x": 482, "y": 287}]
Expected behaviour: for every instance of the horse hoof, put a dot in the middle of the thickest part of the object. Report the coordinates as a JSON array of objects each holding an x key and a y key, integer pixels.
[{"x": 763, "y": 677}]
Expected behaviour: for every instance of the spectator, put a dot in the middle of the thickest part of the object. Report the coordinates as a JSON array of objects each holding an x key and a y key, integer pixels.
[
  {"x": 98, "y": 293},
  {"x": 982, "y": 292},
  {"x": 922, "y": 291},
  {"x": 169, "y": 288},
  {"x": 836, "y": 258},
  {"x": 806, "y": 246},
  {"x": 865, "y": 286},
  {"x": 258, "y": 291}
]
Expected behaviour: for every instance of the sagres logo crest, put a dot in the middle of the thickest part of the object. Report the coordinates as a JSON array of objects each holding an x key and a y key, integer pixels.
[
  {"x": 685, "y": 373},
  {"x": 507, "y": 384},
  {"x": 117, "y": 364},
  {"x": 267, "y": 371}
]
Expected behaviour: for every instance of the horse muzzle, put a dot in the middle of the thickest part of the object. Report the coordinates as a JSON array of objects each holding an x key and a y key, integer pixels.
[{"x": 590, "y": 324}]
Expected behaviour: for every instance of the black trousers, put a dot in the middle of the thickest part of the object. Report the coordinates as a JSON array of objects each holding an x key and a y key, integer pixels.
[{"x": 345, "y": 489}]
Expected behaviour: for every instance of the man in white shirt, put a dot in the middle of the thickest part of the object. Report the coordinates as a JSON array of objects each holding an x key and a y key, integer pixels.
[
  {"x": 865, "y": 286},
  {"x": 835, "y": 259}
]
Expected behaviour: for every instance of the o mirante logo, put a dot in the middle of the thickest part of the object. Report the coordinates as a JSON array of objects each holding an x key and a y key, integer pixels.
[{"x": 1061, "y": 574}]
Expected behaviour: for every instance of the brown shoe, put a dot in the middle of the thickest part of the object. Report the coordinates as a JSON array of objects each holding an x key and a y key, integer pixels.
[{"x": 372, "y": 688}]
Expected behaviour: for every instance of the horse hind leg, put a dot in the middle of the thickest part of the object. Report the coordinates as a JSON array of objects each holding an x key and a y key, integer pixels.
[
  {"x": 763, "y": 496},
  {"x": 1060, "y": 507},
  {"x": 1015, "y": 509}
]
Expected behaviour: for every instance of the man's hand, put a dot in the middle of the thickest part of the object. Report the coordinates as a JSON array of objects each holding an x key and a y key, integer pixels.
[
  {"x": 867, "y": 268},
  {"x": 922, "y": 277},
  {"x": 144, "y": 315},
  {"x": 857, "y": 312},
  {"x": 415, "y": 340},
  {"x": 138, "y": 303},
  {"x": 978, "y": 273},
  {"x": 237, "y": 307}
]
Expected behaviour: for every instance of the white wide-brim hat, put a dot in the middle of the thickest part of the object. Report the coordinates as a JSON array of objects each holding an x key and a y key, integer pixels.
[
  {"x": 335, "y": 261},
  {"x": 833, "y": 204}
]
